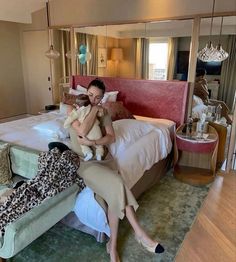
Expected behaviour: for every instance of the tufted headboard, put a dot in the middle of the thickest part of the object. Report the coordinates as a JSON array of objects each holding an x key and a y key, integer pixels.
[{"x": 152, "y": 98}]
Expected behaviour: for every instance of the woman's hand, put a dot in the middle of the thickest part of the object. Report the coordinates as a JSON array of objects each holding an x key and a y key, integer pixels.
[{"x": 85, "y": 141}]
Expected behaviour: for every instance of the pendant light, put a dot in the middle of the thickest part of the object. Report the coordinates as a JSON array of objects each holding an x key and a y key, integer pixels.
[
  {"x": 208, "y": 52},
  {"x": 51, "y": 53},
  {"x": 221, "y": 53}
]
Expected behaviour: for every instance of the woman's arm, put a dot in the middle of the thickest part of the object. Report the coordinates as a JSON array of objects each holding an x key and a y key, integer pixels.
[
  {"x": 109, "y": 138},
  {"x": 82, "y": 129}
]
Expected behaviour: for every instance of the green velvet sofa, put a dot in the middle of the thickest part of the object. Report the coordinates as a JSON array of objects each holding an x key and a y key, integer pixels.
[{"x": 34, "y": 223}]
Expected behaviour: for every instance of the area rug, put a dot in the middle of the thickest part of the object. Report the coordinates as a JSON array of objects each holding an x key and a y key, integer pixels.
[{"x": 166, "y": 211}]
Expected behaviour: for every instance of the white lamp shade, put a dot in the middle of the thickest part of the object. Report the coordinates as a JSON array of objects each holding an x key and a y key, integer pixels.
[{"x": 117, "y": 54}]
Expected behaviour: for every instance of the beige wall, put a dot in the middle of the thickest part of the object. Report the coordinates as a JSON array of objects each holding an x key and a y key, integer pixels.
[
  {"x": 39, "y": 21},
  {"x": 109, "y": 70},
  {"x": 124, "y": 68},
  {"x": 12, "y": 95},
  {"x": 127, "y": 65}
]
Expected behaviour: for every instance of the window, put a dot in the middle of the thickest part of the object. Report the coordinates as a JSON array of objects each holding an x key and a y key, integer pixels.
[{"x": 158, "y": 59}]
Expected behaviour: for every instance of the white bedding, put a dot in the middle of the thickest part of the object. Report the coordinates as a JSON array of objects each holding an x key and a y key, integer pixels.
[
  {"x": 159, "y": 122},
  {"x": 138, "y": 146},
  {"x": 198, "y": 110},
  {"x": 22, "y": 132}
]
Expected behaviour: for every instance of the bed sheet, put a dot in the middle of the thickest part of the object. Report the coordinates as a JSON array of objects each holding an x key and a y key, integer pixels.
[
  {"x": 160, "y": 122},
  {"x": 139, "y": 145},
  {"x": 198, "y": 110},
  {"x": 21, "y": 132}
]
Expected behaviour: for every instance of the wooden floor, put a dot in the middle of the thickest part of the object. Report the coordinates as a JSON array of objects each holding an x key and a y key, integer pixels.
[{"x": 212, "y": 237}]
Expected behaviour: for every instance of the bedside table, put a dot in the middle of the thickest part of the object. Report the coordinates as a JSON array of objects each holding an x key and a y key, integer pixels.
[
  {"x": 195, "y": 159},
  {"x": 48, "y": 108},
  {"x": 43, "y": 111}
]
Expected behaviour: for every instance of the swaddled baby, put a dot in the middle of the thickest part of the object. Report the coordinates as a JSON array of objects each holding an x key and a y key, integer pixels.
[{"x": 83, "y": 107}]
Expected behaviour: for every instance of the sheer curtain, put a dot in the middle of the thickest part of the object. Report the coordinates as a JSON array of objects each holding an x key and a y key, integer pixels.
[
  {"x": 64, "y": 48},
  {"x": 172, "y": 56},
  {"x": 142, "y": 58},
  {"x": 228, "y": 75},
  {"x": 81, "y": 69},
  {"x": 90, "y": 67}
]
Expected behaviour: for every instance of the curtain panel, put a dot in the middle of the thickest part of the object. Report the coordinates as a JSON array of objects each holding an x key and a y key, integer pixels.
[
  {"x": 228, "y": 75},
  {"x": 91, "y": 66},
  {"x": 142, "y": 58}
]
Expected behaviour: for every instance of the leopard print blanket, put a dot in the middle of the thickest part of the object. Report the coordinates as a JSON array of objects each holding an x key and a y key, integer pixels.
[{"x": 56, "y": 172}]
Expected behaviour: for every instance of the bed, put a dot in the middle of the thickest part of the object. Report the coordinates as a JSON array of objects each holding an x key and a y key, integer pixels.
[{"x": 159, "y": 104}]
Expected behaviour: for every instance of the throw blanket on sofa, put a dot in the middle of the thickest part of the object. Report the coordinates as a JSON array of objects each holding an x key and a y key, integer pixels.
[{"x": 56, "y": 172}]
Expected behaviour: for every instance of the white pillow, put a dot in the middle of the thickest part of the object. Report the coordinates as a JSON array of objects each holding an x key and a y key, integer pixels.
[
  {"x": 77, "y": 91},
  {"x": 109, "y": 97},
  {"x": 81, "y": 88},
  {"x": 127, "y": 132},
  {"x": 63, "y": 109},
  {"x": 90, "y": 212},
  {"x": 198, "y": 110},
  {"x": 53, "y": 128},
  {"x": 197, "y": 101}
]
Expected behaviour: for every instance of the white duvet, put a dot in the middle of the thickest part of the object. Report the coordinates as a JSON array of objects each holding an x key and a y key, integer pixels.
[
  {"x": 138, "y": 146},
  {"x": 34, "y": 132}
]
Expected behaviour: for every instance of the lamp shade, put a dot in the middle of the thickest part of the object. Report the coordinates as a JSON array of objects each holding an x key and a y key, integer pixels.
[{"x": 117, "y": 54}]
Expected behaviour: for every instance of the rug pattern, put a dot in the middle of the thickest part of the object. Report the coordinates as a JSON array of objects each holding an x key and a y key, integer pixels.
[{"x": 166, "y": 211}]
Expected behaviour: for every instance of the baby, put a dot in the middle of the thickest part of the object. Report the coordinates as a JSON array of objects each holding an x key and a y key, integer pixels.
[{"x": 82, "y": 109}]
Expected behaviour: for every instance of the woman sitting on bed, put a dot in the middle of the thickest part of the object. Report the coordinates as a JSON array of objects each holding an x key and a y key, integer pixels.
[{"x": 105, "y": 181}]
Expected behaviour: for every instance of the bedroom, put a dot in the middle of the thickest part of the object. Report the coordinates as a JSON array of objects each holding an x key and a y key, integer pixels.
[{"x": 29, "y": 79}]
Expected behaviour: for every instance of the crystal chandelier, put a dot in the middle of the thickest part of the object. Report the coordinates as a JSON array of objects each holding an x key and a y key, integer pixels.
[
  {"x": 51, "y": 53},
  {"x": 209, "y": 53}
]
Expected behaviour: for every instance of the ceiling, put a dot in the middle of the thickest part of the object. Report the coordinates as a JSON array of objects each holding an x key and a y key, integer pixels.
[{"x": 19, "y": 11}]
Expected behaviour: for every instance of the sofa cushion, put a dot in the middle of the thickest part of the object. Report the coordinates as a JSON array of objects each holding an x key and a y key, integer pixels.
[
  {"x": 5, "y": 170},
  {"x": 24, "y": 161}
]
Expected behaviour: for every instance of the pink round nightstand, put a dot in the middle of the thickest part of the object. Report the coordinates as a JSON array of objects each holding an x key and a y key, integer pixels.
[{"x": 195, "y": 159}]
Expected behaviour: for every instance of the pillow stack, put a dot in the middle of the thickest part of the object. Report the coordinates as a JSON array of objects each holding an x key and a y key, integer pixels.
[{"x": 117, "y": 111}]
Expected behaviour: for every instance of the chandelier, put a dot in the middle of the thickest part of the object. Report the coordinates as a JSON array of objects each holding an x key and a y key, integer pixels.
[{"x": 210, "y": 53}]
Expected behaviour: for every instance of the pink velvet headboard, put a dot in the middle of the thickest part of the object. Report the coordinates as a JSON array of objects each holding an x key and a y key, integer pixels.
[{"x": 152, "y": 98}]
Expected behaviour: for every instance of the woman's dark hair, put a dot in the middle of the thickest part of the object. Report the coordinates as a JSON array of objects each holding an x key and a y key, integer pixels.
[
  {"x": 98, "y": 83},
  {"x": 200, "y": 72}
]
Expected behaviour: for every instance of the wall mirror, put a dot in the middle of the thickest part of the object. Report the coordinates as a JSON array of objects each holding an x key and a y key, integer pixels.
[
  {"x": 140, "y": 50},
  {"x": 154, "y": 50},
  {"x": 220, "y": 76}
]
